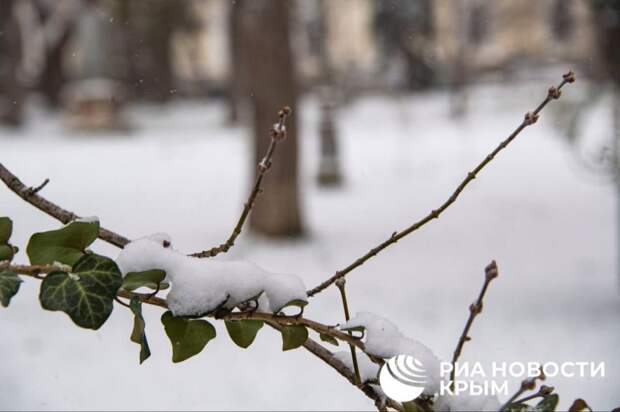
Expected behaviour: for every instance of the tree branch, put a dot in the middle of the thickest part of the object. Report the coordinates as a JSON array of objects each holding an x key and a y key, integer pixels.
[
  {"x": 490, "y": 273},
  {"x": 277, "y": 133},
  {"x": 52, "y": 209},
  {"x": 345, "y": 305},
  {"x": 529, "y": 119},
  {"x": 527, "y": 384}
]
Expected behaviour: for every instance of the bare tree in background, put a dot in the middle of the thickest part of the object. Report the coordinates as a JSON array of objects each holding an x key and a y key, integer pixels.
[
  {"x": 10, "y": 54},
  {"x": 268, "y": 61}
]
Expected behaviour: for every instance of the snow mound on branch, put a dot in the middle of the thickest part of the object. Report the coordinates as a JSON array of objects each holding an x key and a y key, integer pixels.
[
  {"x": 202, "y": 285},
  {"x": 466, "y": 402},
  {"x": 368, "y": 369},
  {"x": 384, "y": 340}
]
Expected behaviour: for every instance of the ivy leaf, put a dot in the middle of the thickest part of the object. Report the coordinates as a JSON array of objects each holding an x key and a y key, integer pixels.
[
  {"x": 293, "y": 336},
  {"x": 9, "y": 285},
  {"x": 328, "y": 339},
  {"x": 188, "y": 337},
  {"x": 65, "y": 245},
  {"x": 137, "y": 334},
  {"x": 411, "y": 406},
  {"x": 243, "y": 332},
  {"x": 518, "y": 407},
  {"x": 295, "y": 302},
  {"x": 149, "y": 279},
  {"x": 6, "y": 228},
  {"x": 579, "y": 405},
  {"x": 6, "y": 252},
  {"x": 86, "y": 294},
  {"x": 548, "y": 404}
]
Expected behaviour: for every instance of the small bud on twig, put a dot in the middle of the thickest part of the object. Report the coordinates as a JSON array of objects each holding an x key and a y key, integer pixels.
[
  {"x": 554, "y": 92},
  {"x": 569, "y": 77},
  {"x": 530, "y": 118},
  {"x": 278, "y": 131},
  {"x": 491, "y": 271}
]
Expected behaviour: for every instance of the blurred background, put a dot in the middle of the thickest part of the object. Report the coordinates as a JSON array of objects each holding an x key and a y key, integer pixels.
[{"x": 152, "y": 114}]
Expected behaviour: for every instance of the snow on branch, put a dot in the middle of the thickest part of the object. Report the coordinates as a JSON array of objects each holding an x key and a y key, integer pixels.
[{"x": 529, "y": 119}]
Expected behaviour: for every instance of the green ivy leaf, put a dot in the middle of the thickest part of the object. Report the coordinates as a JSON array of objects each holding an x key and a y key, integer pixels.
[
  {"x": 293, "y": 336},
  {"x": 328, "y": 339},
  {"x": 137, "y": 334},
  {"x": 518, "y": 407},
  {"x": 149, "y": 279},
  {"x": 243, "y": 332},
  {"x": 65, "y": 245},
  {"x": 9, "y": 285},
  {"x": 6, "y": 252},
  {"x": 188, "y": 337},
  {"x": 296, "y": 302},
  {"x": 548, "y": 404},
  {"x": 6, "y": 228},
  {"x": 86, "y": 294},
  {"x": 411, "y": 406},
  {"x": 579, "y": 405}
]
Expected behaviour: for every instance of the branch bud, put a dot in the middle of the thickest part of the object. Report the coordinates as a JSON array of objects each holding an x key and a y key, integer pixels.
[
  {"x": 569, "y": 77},
  {"x": 530, "y": 118},
  {"x": 554, "y": 93}
]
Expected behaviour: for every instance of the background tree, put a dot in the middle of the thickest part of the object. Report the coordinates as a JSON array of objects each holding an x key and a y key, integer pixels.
[
  {"x": 268, "y": 62},
  {"x": 10, "y": 57}
]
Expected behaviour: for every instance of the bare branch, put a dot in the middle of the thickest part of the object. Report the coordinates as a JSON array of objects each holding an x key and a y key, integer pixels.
[
  {"x": 35, "y": 190},
  {"x": 528, "y": 384},
  {"x": 345, "y": 305},
  {"x": 529, "y": 119},
  {"x": 55, "y": 211},
  {"x": 490, "y": 273},
  {"x": 277, "y": 133}
]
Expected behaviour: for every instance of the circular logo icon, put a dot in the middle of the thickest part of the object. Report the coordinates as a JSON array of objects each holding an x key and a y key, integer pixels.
[{"x": 402, "y": 378}]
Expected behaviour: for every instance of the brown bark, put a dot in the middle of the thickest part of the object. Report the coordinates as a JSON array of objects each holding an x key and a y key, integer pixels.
[
  {"x": 11, "y": 113},
  {"x": 271, "y": 85}
]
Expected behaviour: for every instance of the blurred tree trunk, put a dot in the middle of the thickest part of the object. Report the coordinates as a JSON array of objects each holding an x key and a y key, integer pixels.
[
  {"x": 236, "y": 48},
  {"x": 267, "y": 54},
  {"x": 52, "y": 78},
  {"x": 10, "y": 50}
]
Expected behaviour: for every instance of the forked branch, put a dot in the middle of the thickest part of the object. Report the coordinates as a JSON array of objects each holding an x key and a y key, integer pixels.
[
  {"x": 490, "y": 273},
  {"x": 529, "y": 119},
  {"x": 277, "y": 133}
]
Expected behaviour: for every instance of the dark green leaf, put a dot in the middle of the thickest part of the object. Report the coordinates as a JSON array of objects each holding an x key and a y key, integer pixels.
[
  {"x": 65, "y": 245},
  {"x": 137, "y": 334},
  {"x": 86, "y": 294},
  {"x": 6, "y": 228},
  {"x": 6, "y": 252},
  {"x": 548, "y": 404},
  {"x": 328, "y": 339},
  {"x": 293, "y": 336},
  {"x": 296, "y": 302},
  {"x": 149, "y": 279},
  {"x": 9, "y": 285},
  {"x": 411, "y": 406},
  {"x": 188, "y": 337},
  {"x": 579, "y": 405},
  {"x": 243, "y": 332},
  {"x": 518, "y": 407}
]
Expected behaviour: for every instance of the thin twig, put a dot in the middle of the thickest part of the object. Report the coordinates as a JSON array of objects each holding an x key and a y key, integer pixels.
[
  {"x": 529, "y": 119},
  {"x": 543, "y": 392},
  {"x": 490, "y": 273},
  {"x": 345, "y": 305},
  {"x": 35, "y": 190},
  {"x": 528, "y": 384},
  {"x": 328, "y": 357},
  {"x": 277, "y": 133},
  {"x": 52, "y": 209}
]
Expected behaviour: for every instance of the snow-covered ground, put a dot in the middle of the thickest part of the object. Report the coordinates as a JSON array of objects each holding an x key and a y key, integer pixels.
[{"x": 550, "y": 226}]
